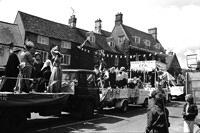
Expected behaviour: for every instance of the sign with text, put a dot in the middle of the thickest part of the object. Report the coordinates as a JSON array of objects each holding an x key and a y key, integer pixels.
[{"x": 147, "y": 65}]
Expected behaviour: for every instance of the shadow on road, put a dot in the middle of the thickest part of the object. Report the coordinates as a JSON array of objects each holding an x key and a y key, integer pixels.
[
  {"x": 132, "y": 111},
  {"x": 175, "y": 104}
]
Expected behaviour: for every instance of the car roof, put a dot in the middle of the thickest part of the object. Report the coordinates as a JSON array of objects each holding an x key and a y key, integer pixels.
[{"x": 77, "y": 70}]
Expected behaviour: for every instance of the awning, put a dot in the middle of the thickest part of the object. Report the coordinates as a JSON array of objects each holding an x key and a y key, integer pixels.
[{"x": 147, "y": 66}]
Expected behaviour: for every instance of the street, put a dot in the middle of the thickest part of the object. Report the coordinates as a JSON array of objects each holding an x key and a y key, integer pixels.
[{"x": 110, "y": 120}]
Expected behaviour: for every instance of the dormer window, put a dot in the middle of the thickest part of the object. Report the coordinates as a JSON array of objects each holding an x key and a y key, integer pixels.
[
  {"x": 157, "y": 45},
  {"x": 137, "y": 39},
  {"x": 66, "y": 44},
  {"x": 147, "y": 43},
  {"x": 121, "y": 39},
  {"x": 43, "y": 40},
  {"x": 111, "y": 44},
  {"x": 92, "y": 38}
]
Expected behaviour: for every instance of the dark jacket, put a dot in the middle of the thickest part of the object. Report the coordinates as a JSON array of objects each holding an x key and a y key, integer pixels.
[
  {"x": 11, "y": 70},
  {"x": 192, "y": 112},
  {"x": 157, "y": 120}
]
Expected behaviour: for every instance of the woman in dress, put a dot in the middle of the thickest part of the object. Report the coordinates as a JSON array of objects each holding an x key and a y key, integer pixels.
[{"x": 56, "y": 75}]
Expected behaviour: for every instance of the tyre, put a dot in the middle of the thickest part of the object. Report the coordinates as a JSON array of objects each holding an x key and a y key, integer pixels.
[
  {"x": 145, "y": 104},
  {"x": 87, "y": 110},
  {"x": 124, "y": 107}
]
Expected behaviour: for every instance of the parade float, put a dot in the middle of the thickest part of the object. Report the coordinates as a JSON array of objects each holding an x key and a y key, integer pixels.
[
  {"x": 151, "y": 72},
  {"x": 78, "y": 96}
]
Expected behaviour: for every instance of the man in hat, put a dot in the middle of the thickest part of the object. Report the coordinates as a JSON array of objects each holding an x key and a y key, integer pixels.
[
  {"x": 11, "y": 70},
  {"x": 27, "y": 66}
]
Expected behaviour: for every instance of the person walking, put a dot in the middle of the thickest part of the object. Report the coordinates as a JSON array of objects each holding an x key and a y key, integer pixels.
[
  {"x": 157, "y": 116},
  {"x": 190, "y": 111},
  {"x": 11, "y": 70}
]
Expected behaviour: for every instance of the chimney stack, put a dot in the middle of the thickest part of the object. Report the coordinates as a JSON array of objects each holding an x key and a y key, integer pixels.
[
  {"x": 119, "y": 19},
  {"x": 72, "y": 21},
  {"x": 98, "y": 26},
  {"x": 153, "y": 32}
]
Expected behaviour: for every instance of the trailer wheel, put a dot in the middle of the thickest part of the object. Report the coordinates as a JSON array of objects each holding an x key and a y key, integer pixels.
[
  {"x": 145, "y": 104},
  {"x": 87, "y": 110},
  {"x": 124, "y": 107}
]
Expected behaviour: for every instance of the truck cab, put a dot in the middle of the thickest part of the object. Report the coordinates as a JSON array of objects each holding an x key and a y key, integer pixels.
[{"x": 86, "y": 93}]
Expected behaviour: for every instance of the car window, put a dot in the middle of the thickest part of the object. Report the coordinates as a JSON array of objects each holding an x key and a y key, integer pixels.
[{"x": 69, "y": 76}]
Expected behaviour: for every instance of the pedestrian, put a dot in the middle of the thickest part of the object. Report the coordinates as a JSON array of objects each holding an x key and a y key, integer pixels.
[
  {"x": 190, "y": 111},
  {"x": 56, "y": 75},
  {"x": 11, "y": 70},
  {"x": 26, "y": 66},
  {"x": 157, "y": 116}
]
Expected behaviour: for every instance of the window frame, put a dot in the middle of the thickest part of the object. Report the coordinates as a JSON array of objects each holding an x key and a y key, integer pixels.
[
  {"x": 147, "y": 43},
  {"x": 43, "y": 40},
  {"x": 121, "y": 39},
  {"x": 44, "y": 54},
  {"x": 63, "y": 58},
  {"x": 92, "y": 38},
  {"x": 68, "y": 46}
]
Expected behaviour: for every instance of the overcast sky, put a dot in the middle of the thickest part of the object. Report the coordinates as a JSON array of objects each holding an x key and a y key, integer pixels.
[{"x": 178, "y": 21}]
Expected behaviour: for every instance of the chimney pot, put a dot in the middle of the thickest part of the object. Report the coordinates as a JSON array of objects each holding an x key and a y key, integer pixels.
[
  {"x": 118, "y": 18},
  {"x": 98, "y": 26},
  {"x": 72, "y": 21},
  {"x": 153, "y": 32}
]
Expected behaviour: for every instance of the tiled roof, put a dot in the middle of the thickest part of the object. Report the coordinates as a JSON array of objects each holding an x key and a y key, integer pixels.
[
  {"x": 105, "y": 33},
  {"x": 170, "y": 61},
  {"x": 83, "y": 34},
  {"x": 102, "y": 43},
  {"x": 131, "y": 33},
  {"x": 52, "y": 29},
  {"x": 10, "y": 33},
  {"x": 49, "y": 28}
]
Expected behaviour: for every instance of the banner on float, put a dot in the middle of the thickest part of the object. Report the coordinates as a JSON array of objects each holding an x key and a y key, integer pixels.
[{"x": 146, "y": 65}]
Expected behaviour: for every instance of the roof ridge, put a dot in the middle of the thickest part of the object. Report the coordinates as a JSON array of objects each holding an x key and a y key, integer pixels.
[
  {"x": 44, "y": 19},
  {"x": 136, "y": 29},
  {"x": 8, "y": 23}
]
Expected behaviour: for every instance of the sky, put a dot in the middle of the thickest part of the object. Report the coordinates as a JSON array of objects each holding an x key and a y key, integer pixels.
[{"x": 177, "y": 21}]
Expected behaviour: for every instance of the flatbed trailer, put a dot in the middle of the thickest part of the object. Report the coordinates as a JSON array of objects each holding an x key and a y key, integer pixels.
[
  {"x": 81, "y": 100},
  {"x": 121, "y": 98}
]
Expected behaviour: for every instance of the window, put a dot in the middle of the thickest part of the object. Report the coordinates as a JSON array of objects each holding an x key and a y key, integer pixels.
[
  {"x": 157, "y": 46},
  {"x": 116, "y": 61},
  {"x": 65, "y": 44},
  {"x": 137, "y": 39},
  {"x": 44, "y": 55},
  {"x": 121, "y": 39},
  {"x": 66, "y": 59},
  {"x": 43, "y": 40},
  {"x": 147, "y": 43},
  {"x": 92, "y": 38},
  {"x": 111, "y": 44}
]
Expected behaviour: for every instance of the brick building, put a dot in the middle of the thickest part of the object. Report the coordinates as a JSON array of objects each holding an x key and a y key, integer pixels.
[{"x": 80, "y": 48}]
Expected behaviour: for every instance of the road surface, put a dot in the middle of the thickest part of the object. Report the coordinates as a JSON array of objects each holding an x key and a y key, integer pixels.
[{"x": 108, "y": 121}]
